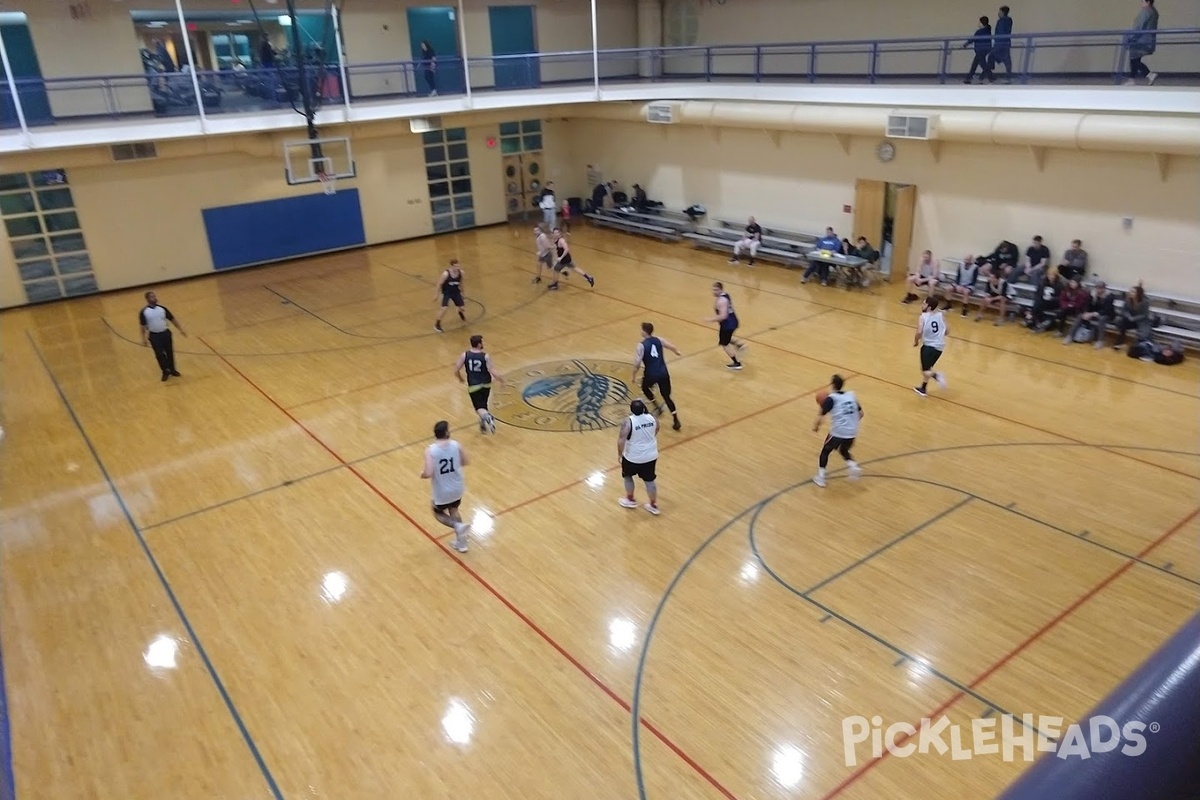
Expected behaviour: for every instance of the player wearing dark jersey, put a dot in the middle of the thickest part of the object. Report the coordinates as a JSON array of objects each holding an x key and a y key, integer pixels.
[
  {"x": 727, "y": 323},
  {"x": 563, "y": 260},
  {"x": 449, "y": 289},
  {"x": 652, "y": 358},
  {"x": 480, "y": 374}
]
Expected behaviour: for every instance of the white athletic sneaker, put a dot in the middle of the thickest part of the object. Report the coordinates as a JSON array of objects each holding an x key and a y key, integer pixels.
[
  {"x": 1151, "y": 78},
  {"x": 461, "y": 529},
  {"x": 941, "y": 379},
  {"x": 627, "y": 503},
  {"x": 819, "y": 481},
  {"x": 652, "y": 509},
  {"x": 855, "y": 471}
]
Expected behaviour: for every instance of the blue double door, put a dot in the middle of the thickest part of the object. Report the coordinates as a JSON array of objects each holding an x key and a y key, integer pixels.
[{"x": 513, "y": 36}]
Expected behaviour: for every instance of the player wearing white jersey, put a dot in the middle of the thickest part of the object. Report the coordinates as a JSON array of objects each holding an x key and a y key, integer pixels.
[
  {"x": 931, "y": 336},
  {"x": 444, "y": 462},
  {"x": 845, "y": 414},
  {"x": 545, "y": 254},
  {"x": 637, "y": 450}
]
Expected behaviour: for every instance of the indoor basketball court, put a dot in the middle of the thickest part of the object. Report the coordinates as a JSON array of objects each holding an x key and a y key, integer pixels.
[{"x": 251, "y": 550}]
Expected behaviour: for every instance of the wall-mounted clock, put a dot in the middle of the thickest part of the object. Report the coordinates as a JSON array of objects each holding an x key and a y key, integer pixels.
[{"x": 885, "y": 152}]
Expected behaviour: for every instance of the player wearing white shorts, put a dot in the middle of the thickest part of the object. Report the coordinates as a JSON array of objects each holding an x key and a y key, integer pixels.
[
  {"x": 843, "y": 409},
  {"x": 637, "y": 450},
  {"x": 545, "y": 254},
  {"x": 444, "y": 462},
  {"x": 931, "y": 336}
]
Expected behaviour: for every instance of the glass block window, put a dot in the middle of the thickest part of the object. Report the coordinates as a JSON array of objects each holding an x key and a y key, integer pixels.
[
  {"x": 45, "y": 235},
  {"x": 448, "y": 175},
  {"x": 521, "y": 137}
]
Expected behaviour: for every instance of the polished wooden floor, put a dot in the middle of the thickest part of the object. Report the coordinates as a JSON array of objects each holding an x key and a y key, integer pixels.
[{"x": 229, "y": 585}]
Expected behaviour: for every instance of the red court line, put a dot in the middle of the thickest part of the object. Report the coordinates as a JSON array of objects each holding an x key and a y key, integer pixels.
[
  {"x": 562, "y": 651},
  {"x": 1066, "y": 612},
  {"x": 907, "y": 386},
  {"x": 447, "y": 367},
  {"x": 691, "y": 438}
]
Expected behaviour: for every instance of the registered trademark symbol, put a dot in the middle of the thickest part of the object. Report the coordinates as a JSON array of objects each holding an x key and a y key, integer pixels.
[{"x": 1155, "y": 727}]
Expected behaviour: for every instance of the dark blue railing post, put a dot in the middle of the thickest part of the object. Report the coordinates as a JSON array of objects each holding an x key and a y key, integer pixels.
[
  {"x": 1027, "y": 60},
  {"x": 812, "y": 63},
  {"x": 874, "y": 68},
  {"x": 758, "y": 64},
  {"x": 944, "y": 63},
  {"x": 708, "y": 64}
]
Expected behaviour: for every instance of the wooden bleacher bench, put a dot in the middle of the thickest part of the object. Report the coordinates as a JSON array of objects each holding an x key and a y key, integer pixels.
[
  {"x": 624, "y": 223},
  {"x": 718, "y": 239}
]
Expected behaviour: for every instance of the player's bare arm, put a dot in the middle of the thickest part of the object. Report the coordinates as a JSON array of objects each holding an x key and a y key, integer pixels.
[
  {"x": 622, "y": 437},
  {"x": 458, "y": 365}
]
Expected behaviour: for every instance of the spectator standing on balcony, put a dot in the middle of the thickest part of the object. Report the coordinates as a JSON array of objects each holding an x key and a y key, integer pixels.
[
  {"x": 982, "y": 41},
  {"x": 1141, "y": 42},
  {"x": 1074, "y": 261},
  {"x": 429, "y": 66},
  {"x": 266, "y": 55},
  {"x": 1002, "y": 46}
]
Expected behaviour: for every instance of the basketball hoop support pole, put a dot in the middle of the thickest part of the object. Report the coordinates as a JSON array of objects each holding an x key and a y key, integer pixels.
[
  {"x": 337, "y": 34},
  {"x": 302, "y": 77}
]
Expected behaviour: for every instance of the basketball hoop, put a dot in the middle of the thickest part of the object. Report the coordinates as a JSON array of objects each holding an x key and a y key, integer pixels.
[{"x": 328, "y": 183}]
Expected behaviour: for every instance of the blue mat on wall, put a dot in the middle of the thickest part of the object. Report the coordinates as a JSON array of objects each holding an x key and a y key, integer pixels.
[{"x": 272, "y": 230}]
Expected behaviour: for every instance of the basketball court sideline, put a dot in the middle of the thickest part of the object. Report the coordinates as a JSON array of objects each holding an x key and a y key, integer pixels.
[{"x": 1017, "y": 545}]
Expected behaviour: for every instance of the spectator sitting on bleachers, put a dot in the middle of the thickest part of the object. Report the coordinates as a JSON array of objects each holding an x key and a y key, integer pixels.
[
  {"x": 1071, "y": 304},
  {"x": 640, "y": 201},
  {"x": 830, "y": 242},
  {"x": 599, "y": 192},
  {"x": 924, "y": 275},
  {"x": 1040, "y": 317},
  {"x": 1074, "y": 261},
  {"x": 1135, "y": 314},
  {"x": 1003, "y": 259},
  {"x": 1037, "y": 261},
  {"x": 750, "y": 241},
  {"x": 868, "y": 254},
  {"x": 995, "y": 295},
  {"x": 1100, "y": 311},
  {"x": 963, "y": 284}
]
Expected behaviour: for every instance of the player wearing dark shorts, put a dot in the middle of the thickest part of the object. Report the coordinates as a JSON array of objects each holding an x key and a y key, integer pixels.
[
  {"x": 563, "y": 260},
  {"x": 450, "y": 290},
  {"x": 651, "y": 356},
  {"x": 480, "y": 373},
  {"x": 727, "y": 323}
]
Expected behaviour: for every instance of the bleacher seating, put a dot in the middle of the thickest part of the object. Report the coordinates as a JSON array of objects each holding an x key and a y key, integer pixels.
[
  {"x": 632, "y": 222},
  {"x": 787, "y": 252}
]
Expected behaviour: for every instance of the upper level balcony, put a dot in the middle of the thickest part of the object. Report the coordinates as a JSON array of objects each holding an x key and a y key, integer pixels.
[{"x": 1080, "y": 70}]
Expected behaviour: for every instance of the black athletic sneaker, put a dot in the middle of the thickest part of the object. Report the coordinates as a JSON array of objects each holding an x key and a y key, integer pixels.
[{"x": 676, "y": 426}]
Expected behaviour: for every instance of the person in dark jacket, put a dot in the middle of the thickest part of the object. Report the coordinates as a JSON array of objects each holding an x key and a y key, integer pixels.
[
  {"x": 1002, "y": 45},
  {"x": 429, "y": 66},
  {"x": 1135, "y": 314},
  {"x": 1045, "y": 303},
  {"x": 1101, "y": 310},
  {"x": 1141, "y": 42},
  {"x": 1071, "y": 304},
  {"x": 982, "y": 41}
]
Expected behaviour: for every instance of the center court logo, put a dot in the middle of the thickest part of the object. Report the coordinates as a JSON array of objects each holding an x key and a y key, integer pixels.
[
  {"x": 577, "y": 395},
  {"x": 991, "y": 736}
]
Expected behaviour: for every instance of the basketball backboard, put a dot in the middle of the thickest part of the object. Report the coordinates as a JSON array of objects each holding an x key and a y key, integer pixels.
[{"x": 302, "y": 165}]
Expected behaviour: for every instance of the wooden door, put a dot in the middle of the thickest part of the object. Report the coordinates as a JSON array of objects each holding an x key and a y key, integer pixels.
[
  {"x": 870, "y": 198},
  {"x": 902, "y": 228}
]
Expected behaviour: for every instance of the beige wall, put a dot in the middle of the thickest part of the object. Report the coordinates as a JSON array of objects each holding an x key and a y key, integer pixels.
[
  {"x": 968, "y": 200},
  {"x": 143, "y": 224},
  {"x": 759, "y": 21}
]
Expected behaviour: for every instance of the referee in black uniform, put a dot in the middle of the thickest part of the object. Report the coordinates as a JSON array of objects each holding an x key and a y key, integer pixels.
[{"x": 157, "y": 334}]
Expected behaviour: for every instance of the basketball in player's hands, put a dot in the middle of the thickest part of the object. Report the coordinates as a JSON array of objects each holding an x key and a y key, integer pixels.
[{"x": 821, "y": 397}]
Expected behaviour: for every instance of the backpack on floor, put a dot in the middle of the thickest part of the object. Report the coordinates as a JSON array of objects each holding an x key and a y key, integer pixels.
[{"x": 1084, "y": 334}]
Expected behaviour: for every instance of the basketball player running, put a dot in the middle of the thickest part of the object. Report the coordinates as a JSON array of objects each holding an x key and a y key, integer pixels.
[
  {"x": 480, "y": 373},
  {"x": 545, "y": 257},
  {"x": 449, "y": 288},
  {"x": 727, "y": 323},
  {"x": 843, "y": 409},
  {"x": 444, "y": 462},
  {"x": 651, "y": 356},
  {"x": 637, "y": 450},
  {"x": 931, "y": 336},
  {"x": 563, "y": 261}
]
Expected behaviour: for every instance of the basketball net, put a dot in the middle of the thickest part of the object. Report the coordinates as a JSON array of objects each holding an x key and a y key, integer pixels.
[{"x": 328, "y": 183}]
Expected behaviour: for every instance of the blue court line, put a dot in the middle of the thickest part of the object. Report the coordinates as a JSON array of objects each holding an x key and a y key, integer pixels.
[
  {"x": 902, "y": 654},
  {"x": 639, "y": 676},
  {"x": 162, "y": 579},
  {"x": 8, "y": 781}
]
